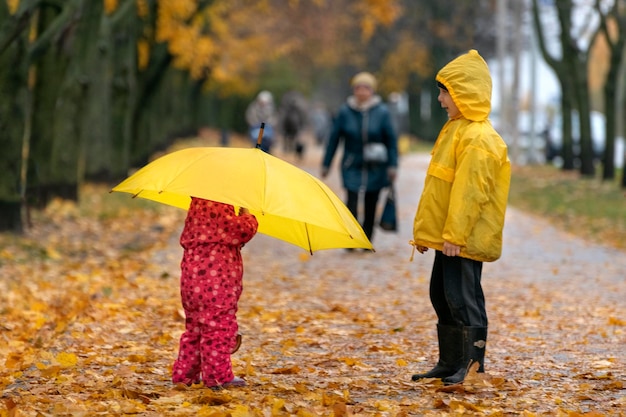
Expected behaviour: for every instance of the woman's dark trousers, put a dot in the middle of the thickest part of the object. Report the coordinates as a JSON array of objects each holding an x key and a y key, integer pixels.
[{"x": 370, "y": 201}]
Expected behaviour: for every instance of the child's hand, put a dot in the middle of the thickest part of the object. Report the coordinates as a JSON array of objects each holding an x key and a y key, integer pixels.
[{"x": 450, "y": 249}]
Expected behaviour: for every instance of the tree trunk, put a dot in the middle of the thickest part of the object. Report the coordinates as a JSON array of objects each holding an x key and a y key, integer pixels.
[
  {"x": 561, "y": 73},
  {"x": 576, "y": 62},
  {"x": 53, "y": 147},
  {"x": 567, "y": 148},
  {"x": 613, "y": 85},
  {"x": 514, "y": 104},
  {"x": 610, "y": 100},
  {"x": 13, "y": 81}
]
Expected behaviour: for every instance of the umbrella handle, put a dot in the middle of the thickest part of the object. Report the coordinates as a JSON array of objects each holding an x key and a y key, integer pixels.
[{"x": 259, "y": 138}]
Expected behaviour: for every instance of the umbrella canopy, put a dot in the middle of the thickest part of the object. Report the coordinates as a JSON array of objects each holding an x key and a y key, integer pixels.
[{"x": 289, "y": 203}]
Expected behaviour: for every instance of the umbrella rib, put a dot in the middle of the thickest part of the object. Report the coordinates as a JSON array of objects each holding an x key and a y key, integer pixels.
[
  {"x": 198, "y": 157},
  {"x": 336, "y": 210},
  {"x": 308, "y": 237},
  {"x": 264, "y": 180},
  {"x": 320, "y": 185}
]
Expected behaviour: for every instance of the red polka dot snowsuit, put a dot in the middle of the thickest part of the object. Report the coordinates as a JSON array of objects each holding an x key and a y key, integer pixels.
[{"x": 210, "y": 286}]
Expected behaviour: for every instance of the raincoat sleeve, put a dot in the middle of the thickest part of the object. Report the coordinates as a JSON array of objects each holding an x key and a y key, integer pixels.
[
  {"x": 209, "y": 222},
  {"x": 473, "y": 183},
  {"x": 244, "y": 228}
]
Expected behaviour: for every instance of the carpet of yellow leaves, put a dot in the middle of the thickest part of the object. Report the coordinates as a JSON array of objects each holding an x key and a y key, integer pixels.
[{"x": 90, "y": 318}]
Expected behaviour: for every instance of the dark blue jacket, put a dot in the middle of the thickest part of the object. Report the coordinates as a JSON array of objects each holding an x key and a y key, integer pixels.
[{"x": 348, "y": 129}]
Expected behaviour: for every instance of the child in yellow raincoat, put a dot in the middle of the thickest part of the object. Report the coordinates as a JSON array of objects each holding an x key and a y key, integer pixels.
[{"x": 461, "y": 214}]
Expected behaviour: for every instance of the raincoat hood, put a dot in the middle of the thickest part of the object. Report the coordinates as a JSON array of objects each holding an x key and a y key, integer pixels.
[{"x": 468, "y": 81}]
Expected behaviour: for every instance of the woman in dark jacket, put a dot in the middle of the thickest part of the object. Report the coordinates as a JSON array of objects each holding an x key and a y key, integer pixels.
[{"x": 370, "y": 155}]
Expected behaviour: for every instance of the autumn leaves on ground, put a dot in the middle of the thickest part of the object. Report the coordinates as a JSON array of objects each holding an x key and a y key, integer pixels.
[{"x": 90, "y": 320}]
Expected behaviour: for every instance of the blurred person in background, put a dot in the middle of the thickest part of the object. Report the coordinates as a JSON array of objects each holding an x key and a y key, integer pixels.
[
  {"x": 293, "y": 118},
  {"x": 364, "y": 128},
  {"x": 321, "y": 121},
  {"x": 262, "y": 110}
]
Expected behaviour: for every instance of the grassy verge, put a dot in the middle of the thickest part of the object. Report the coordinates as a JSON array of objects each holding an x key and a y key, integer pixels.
[{"x": 588, "y": 208}]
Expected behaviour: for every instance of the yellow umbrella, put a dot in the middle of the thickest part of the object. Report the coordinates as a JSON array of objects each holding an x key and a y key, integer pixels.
[{"x": 289, "y": 203}]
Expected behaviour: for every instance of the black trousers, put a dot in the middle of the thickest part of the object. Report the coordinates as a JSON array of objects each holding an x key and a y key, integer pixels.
[
  {"x": 455, "y": 291},
  {"x": 369, "y": 209}
]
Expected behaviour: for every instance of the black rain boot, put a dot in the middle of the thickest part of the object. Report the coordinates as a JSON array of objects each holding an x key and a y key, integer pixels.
[
  {"x": 474, "y": 342},
  {"x": 450, "y": 353}
]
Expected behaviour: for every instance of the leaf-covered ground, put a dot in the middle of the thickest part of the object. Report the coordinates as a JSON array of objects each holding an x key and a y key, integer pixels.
[{"x": 90, "y": 318}]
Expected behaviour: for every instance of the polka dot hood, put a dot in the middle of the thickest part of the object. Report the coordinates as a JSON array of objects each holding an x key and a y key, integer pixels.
[{"x": 210, "y": 222}]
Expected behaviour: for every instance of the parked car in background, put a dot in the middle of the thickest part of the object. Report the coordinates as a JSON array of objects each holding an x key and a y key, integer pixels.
[
  {"x": 544, "y": 143},
  {"x": 531, "y": 137},
  {"x": 554, "y": 137}
]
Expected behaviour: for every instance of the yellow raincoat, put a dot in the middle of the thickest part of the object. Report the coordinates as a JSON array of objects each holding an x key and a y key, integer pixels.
[{"x": 467, "y": 182}]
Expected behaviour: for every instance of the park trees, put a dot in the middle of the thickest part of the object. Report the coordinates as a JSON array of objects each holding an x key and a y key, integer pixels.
[
  {"x": 91, "y": 88},
  {"x": 583, "y": 26}
]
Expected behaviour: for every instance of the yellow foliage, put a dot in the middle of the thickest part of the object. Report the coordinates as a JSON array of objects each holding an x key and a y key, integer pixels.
[
  {"x": 53, "y": 253},
  {"x": 241, "y": 411},
  {"x": 13, "y": 5},
  {"x": 383, "y": 405},
  {"x": 278, "y": 405},
  {"x": 172, "y": 14},
  {"x": 38, "y": 306},
  {"x": 204, "y": 42},
  {"x": 408, "y": 57},
  {"x": 110, "y": 6},
  {"x": 39, "y": 323},
  {"x": 250, "y": 368},
  {"x": 228, "y": 42},
  {"x": 376, "y": 12},
  {"x": 50, "y": 371},
  {"x": 66, "y": 360},
  {"x": 351, "y": 361},
  {"x": 385, "y": 11},
  {"x": 13, "y": 360},
  {"x": 142, "y": 8},
  {"x": 143, "y": 54}
]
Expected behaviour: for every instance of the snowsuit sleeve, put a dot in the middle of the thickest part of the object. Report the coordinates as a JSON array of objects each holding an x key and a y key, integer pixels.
[{"x": 212, "y": 222}]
